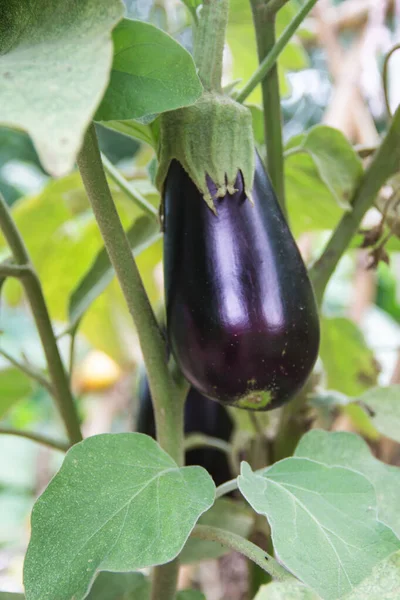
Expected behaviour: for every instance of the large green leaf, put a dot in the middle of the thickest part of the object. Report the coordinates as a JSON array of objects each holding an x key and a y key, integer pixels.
[
  {"x": 382, "y": 584},
  {"x": 151, "y": 73},
  {"x": 11, "y": 596},
  {"x": 286, "y": 590},
  {"x": 118, "y": 503},
  {"x": 323, "y": 522},
  {"x": 383, "y": 405},
  {"x": 141, "y": 234},
  {"x": 120, "y": 586},
  {"x": 14, "y": 386},
  {"x": 344, "y": 449},
  {"x": 132, "y": 128},
  {"x": 226, "y": 514},
  {"x": 348, "y": 362},
  {"x": 54, "y": 69}
]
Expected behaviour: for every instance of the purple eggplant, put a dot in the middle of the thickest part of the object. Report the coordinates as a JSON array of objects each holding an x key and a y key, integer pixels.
[
  {"x": 202, "y": 415},
  {"x": 242, "y": 320}
]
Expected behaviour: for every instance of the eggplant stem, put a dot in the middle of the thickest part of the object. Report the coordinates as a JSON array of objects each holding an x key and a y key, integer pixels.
[{"x": 210, "y": 41}]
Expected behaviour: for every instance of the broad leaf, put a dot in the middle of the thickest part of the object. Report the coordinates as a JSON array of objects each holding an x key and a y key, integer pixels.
[
  {"x": 226, "y": 514},
  {"x": 383, "y": 406},
  {"x": 118, "y": 503},
  {"x": 344, "y": 449},
  {"x": 14, "y": 386},
  {"x": 55, "y": 59},
  {"x": 323, "y": 522},
  {"x": 151, "y": 73},
  {"x": 141, "y": 234},
  {"x": 348, "y": 362},
  {"x": 120, "y": 586},
  {"x": 338, "y": 165},
  {"x": 382, "y": 584},
  {"x": 11, "y": 596},
  {"x": 286, "y": 590}
]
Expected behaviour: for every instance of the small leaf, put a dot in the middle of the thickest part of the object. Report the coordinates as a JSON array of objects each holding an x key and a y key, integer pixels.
[
  {"x": 120, "y": 586},
  {"x": 14, "y": 386},
  {"x": 348, "y": 362},
  {"x": 323, "y": 522},
  {"x": 286, "y": 590},
  {"x": 141, "y": 235},
  {"x": 151, "y": 73},
  {"x": 118, "y": 503},
  {"x": 134, "y": 129},
  {"x": 339, "y": 166},
  {"x": 383, "y": 407},
  {"x": 382, "y": 584},
  {"x": 226, "y": 514},
  {"x": 343, "y": 449},
  {"x": 55, "y": 62}
]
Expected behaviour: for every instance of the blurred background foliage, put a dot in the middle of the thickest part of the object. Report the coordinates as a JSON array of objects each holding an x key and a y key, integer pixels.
[{"x": 330, "y": 73}]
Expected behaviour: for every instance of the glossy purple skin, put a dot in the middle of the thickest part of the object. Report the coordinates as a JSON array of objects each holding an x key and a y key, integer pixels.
[{"x": 241, "y": 312}]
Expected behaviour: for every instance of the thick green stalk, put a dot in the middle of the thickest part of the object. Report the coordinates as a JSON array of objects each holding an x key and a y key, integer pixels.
[
  {"x": 168, "y": 398},
  {"x": 264, "y": 25},
  {"x": 209, "y": 42},
  {"x": 248, "y": 549},
  {"x": 270, "y": 59},
  {"x": 33, "y": 290},
  {"x": 384, "y": 164}
]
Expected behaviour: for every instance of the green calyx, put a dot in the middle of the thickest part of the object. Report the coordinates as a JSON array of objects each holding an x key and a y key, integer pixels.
[
  {"x": 255, "y": 401},
  {"x": 212, "y": 137}
]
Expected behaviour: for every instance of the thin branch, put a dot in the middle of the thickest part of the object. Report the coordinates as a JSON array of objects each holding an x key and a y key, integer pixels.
[
  {"x": 383, "y": 165},
  {"x": 265, "y": 36},
  {"x": 270, "y": 59},
  {"x": 18, "y": 271},
  {"x": 198, "y": 440},
  {"x": 248, "y": 549},
  {"x": 36, "y": 437},
  {"x": 130, "y": 191},
  {"x": 34, "y": 292},
  {"x": 30, "y": 371}
]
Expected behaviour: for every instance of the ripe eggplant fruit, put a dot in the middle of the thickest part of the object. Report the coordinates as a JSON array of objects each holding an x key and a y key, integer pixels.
[
  {"x": 202, "y": 415},
  {"x": 242, "y": 320}
]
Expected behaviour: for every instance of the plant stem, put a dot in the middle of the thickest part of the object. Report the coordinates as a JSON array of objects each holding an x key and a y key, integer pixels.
[
  {"x": 18, "y": 271},
  {"x": 133, "y": 194},
  {"x": 210, "y": 41},
  {"x": 248, "y": 549},
  {"x": 274, "y": 5},
  {"x": 168, "y": 397},
  {"x": 385, "y": 78},
  {"x": 29, "y": 371},
  {"x": 270, "y": 59},
  {"x": 383, "y": 165},
  {"x": 264, "y": 25},
  {"x": 198, "y": 440},
  {"x": 33, "y": 290},
  {"x": 36, "y": 437}
]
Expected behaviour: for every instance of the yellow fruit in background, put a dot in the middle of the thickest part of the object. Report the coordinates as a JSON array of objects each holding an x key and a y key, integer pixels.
[{"x": 96, "y": 372}]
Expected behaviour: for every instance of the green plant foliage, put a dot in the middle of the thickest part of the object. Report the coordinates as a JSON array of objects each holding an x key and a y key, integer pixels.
[
  {"x": 14, "y": 386},
  {"x": 383, "y": 405},
  {"x": 11, "y": 596},
  {"x": 120, "y": 586},
  {"x": 114, "y": 499},
  {"x": 344, "y": 449},
  {"x": 321, "y": 172},
  {"x": 57, "y": 55},
  {"x": 226, "y": 514},
  {"x": 323, "y": 522},
  {"x": 382, "y": 584},
  {"x": 348, "y": 362},
  {"x": 151, "y": 73},
  {"x": 286, "y": 590}
]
